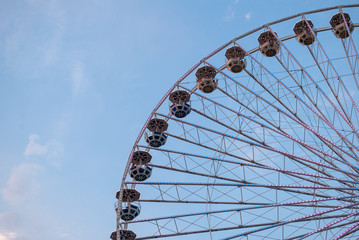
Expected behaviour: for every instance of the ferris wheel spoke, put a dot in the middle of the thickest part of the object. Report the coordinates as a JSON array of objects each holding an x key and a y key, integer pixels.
[
  {"x": 318, "y": 89},
  {"x": 303, "y": 176},
  {"x": 329, "y": 143},
  {"x": 218, "y": 149},
  {"x": 343, "y": 160},
  {"x": 306, "y": 127},
  {"x": 288, "y": 173},
  {"x": 253, "y": 185},
  {"x": 350, "y": 47},
  {"x": 252, "y": 144},
  {"x": 254, "y": 227},
  {"x": 306, "y": 89},
  {"x": 353, "y": 60},
  {"x": 336, "y": 85},
  {"x": 240, "y": 181},
  {"x": 217, "y": 229},
  {"x": 222, "y": 108},
  {"x": 324, "y": 121},
  {"x": 195, "y": 232},
  {"x": 330, "y": 225},
  {"x": 226, "y": 203},
  {"x": 337, "y": 91},
  {"x": 351, "y": 51},
  {"x": 303, "y": 218},
  {"x": 327, "y": 64},
  {"x": 246, "y": 164},
  {"x": 260, "y": 141},
  {"x": 262, "y": 147},
  {"x": 207, "y": 147},
  {"x": 281, "y": 132},
  {"x": 262, "y": 125},
  {"x": 263, "y": 205},
  {"x": 343, "y": 225},
  {"x": 298, "y": 100},
  {"x": 350, "y": 230},
  {"x": 196, "y": 173}
]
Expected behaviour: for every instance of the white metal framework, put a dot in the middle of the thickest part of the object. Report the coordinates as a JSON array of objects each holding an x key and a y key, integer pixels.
[{"x": 267, "y": 151}]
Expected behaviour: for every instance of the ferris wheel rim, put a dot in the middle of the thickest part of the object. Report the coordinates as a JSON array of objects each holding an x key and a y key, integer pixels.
[
  {"x": 153, "y": 113},
  {"x": 221, "y": 48}
]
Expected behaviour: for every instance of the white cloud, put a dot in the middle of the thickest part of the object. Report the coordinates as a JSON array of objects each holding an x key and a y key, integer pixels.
[
  {"x": 77, "y": 77},
  {"x": 56, "y": 16},
  {"x": 34, "y": 148},
  {"x": 77, "y": 72},
  {"x": 22, "y": 183},
  {"x": 7, "y": 235},
  {"x": 230, "y": 16},
  {"x": 52, "y": 47},
  {"x": 51, "y": 148},
  {"x": 231, "y": 12},
  {"x": 47, "y": 50},
  {"x": 248, "y": 16}
]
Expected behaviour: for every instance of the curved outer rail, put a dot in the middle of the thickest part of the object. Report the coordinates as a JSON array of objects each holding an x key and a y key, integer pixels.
[{"x": 222, "y": 67}]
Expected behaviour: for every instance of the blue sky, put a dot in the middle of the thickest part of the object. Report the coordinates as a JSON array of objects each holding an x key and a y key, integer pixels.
[{"x": 78, "y": 81}]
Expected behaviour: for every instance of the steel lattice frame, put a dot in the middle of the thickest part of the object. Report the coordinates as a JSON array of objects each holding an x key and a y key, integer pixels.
[{"x": 272, "y": 153}]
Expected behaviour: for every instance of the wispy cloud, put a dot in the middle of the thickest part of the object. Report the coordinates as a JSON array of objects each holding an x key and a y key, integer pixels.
[
  {"x": 52, "y": 47},
  {"x": 248, "y": 16},
  {"x": 7, "y": 235},
  {"x": 22, "y": 183},
  {"x": 62, "y": 125},
  {"x": 34, "y": 148},
  {"x": 77, "y": 71},
  {"x": 231, "y": 14},
  {"x": 77, "y": 77},
  {"x": 51, "y": 148},
  {"x": 57, "y": 16},
  {"x": 17, "y": 51},
  {"x": 9, "y": 225}
]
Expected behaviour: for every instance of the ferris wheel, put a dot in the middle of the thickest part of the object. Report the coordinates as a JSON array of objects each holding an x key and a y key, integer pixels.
[{"x": 259, "y": 140}]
